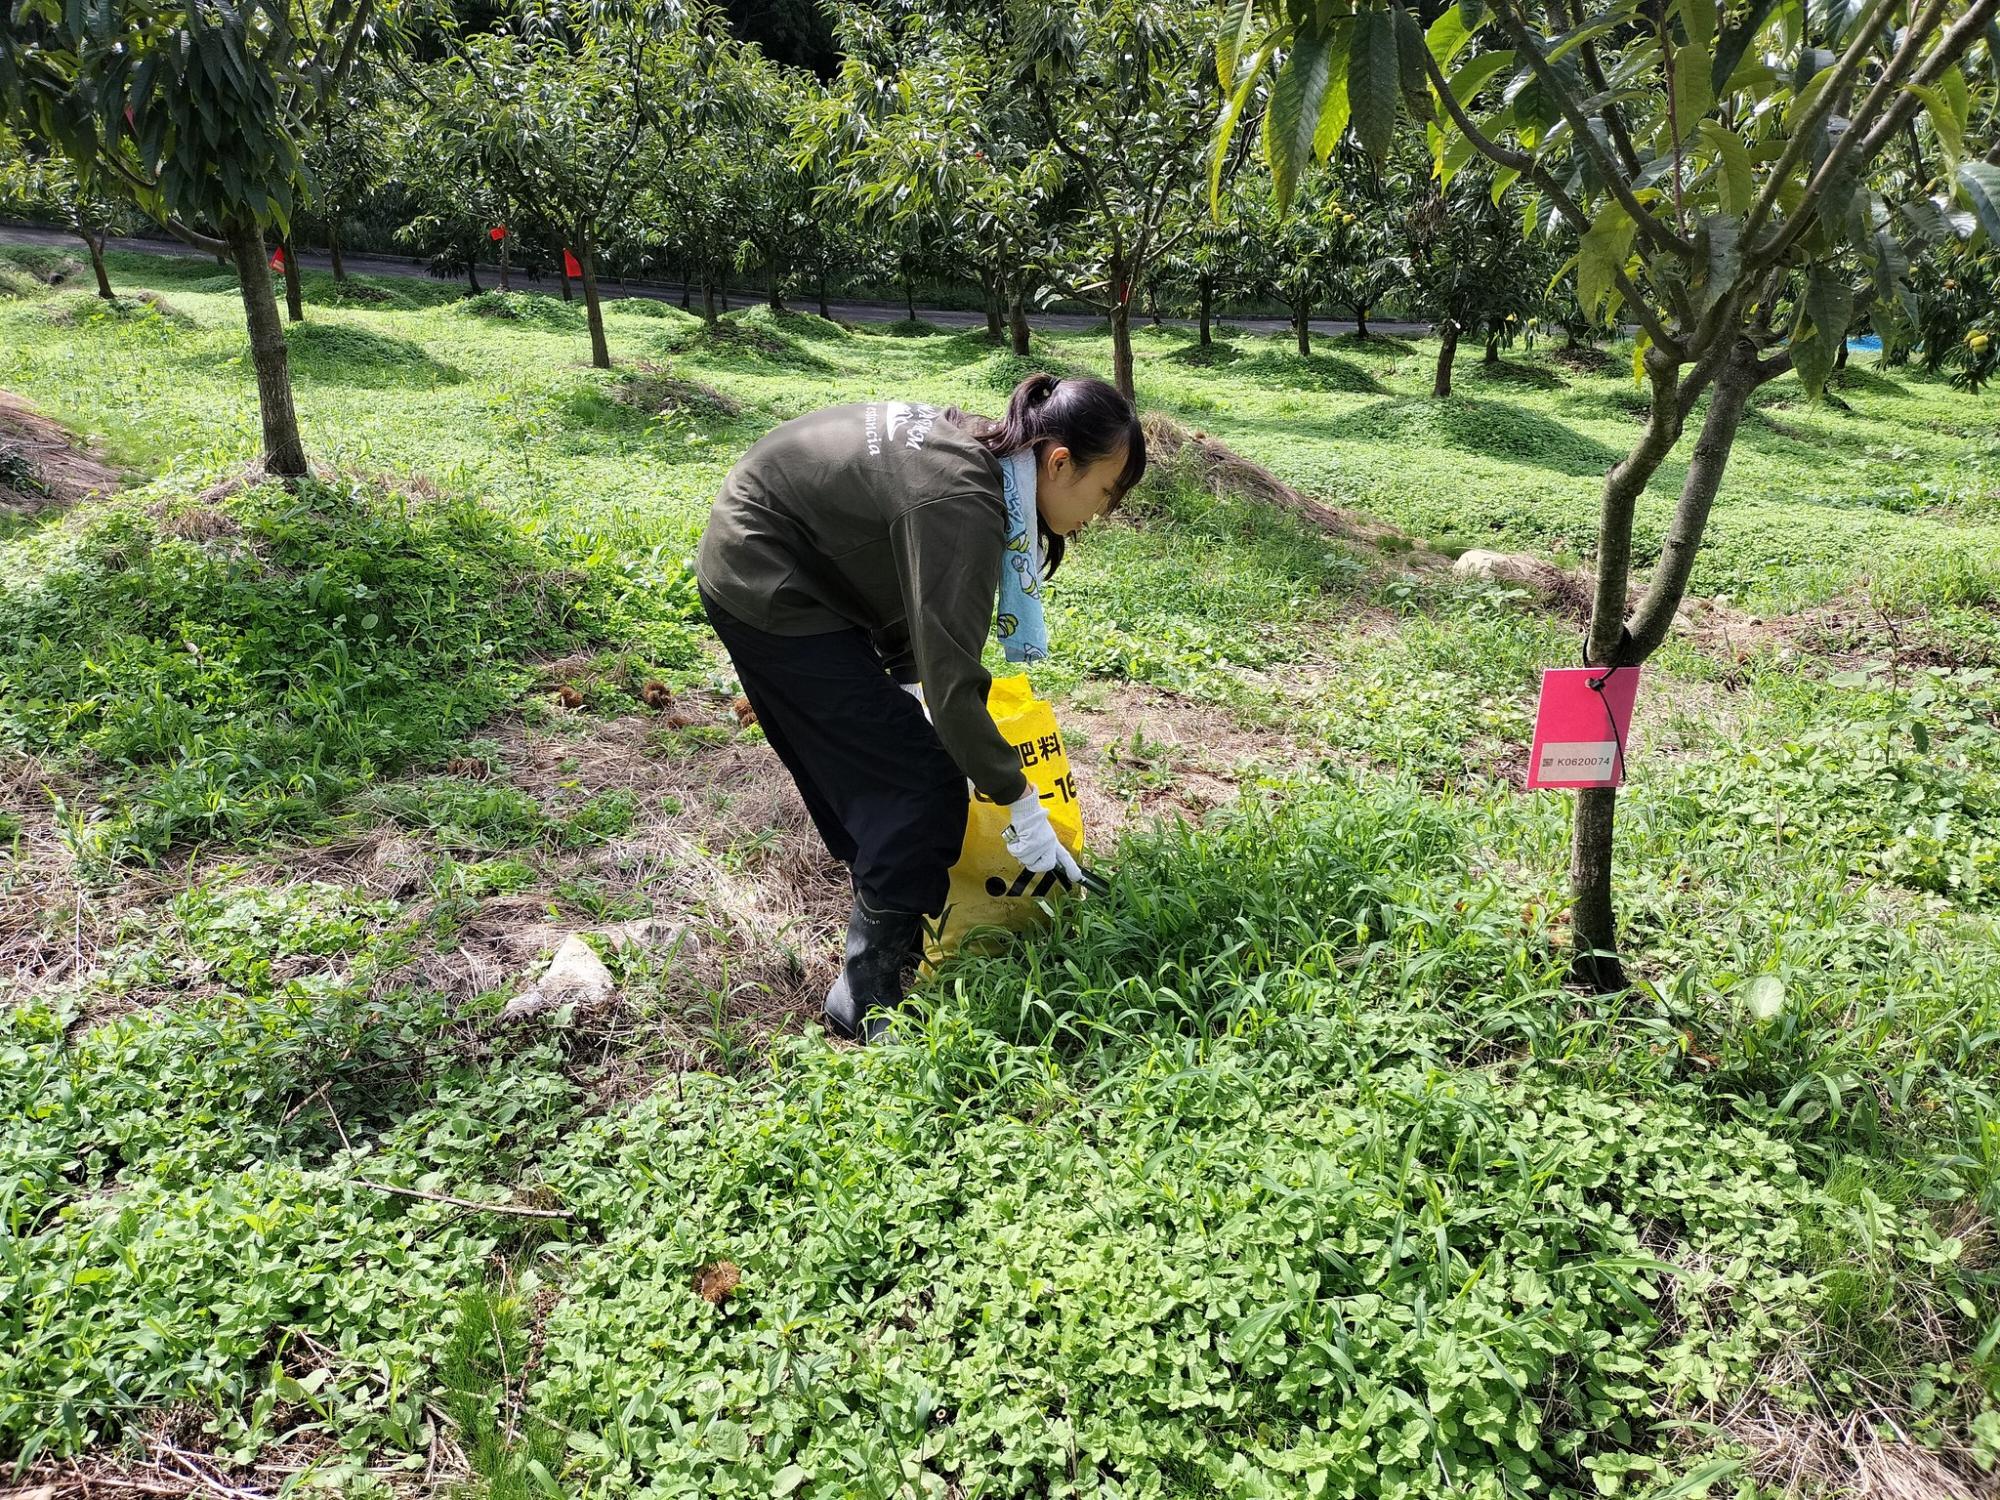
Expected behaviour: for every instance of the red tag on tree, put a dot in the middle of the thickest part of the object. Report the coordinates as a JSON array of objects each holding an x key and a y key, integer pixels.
[
  {"x": 278, "y": 259},
  {"x": 572, "y": 267},
  {"x": 1581, "y": 723},
  {"x": 497, "y": 232}
]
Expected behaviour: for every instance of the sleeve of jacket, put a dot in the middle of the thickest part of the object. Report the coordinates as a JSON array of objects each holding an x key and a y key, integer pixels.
[
  {"x": 948, "y": 554},
  {"x": 892, "y": 644}
]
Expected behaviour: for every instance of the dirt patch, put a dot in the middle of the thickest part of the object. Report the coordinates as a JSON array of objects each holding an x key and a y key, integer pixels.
[
  {"x": 42, "y": 465},
  {"x": 1582, "y": 357},
  {"x": 1224, "y": 472},
  {"x": 1146, "y": 753},
  {"x": 652, "y": 389},
  {"x": 734, "y": 905}
]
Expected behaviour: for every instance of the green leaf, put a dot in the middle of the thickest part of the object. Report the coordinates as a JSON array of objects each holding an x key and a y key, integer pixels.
[
  {"x": 1475, "y": 75},
  {"x": 1232, "y": 109},
  {"x": 1927, "y": 218},
  {"x": 1829, "y": 305},
  {"x": 1561, "y": 46},
  {"x": 1333, "y": 110},
  {"x": 788, "y": 1479},
  {"x": 1448, "y": 36},
  {"x": 1694, "y": 89},
  {"x": 1238, "y": 21},
  {"x": 1736, "y": 41},
  {"x": 1293, "y": 117},
  {"x": 1474, "y": 13},
  {"x": 1765, "y": 997},
  {"x": 1373, "y": 82},
  {"x": 1979, "y": 182},
  {"x": 1721, "y": 235},
  {"x": 1410, "y": 49},
  {"x": 1889, "y": 263},
  {"x": 1698, "y": 17},
  {"x": 1945, "y": 117},
  {"x": 1737, "y": 181},
  {"x": 1601, "y": 254}
]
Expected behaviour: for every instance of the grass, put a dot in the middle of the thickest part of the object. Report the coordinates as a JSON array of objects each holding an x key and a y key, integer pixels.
[{"x": 1291, "y": 1168}]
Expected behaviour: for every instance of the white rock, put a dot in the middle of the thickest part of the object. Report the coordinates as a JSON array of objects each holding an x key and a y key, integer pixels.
[
  {"x": 575, "y": 976},
  {"x": 646, "y": 932},
  {"x": 1520, "y": 569},
  {"x": 1478, "y": 562}
]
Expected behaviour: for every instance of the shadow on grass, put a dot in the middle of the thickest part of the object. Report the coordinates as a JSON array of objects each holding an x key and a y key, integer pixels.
[
  {"x": 343, "y": 354},
  {"x": 1510, "y": 372},
  {"x": 1308, "y": 372},
  {"x": 1374, "y": 343},
  {"x": 1492, "y": 429},
  {"x": 749, "y": 342},
  {"x": 1867, "y": 381},
  {"x": 1201, "y": 356}
]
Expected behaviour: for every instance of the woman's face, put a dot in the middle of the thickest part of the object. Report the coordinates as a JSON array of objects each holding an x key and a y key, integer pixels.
[{"x": 1069, "y": 495}]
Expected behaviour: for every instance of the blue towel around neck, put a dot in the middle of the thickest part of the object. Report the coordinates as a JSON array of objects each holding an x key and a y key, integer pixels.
[{"x": 1023, "y": 633}]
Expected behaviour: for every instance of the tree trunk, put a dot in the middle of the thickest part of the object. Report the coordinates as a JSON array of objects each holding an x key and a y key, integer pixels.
[
  {"x": 1153, "y": 303},
  {"x": 687, "y": 291},
  {"x": 708, "y": 301},
  {"x": 295, "y": 302},
  {"x": 1447, "y": 352},
  {"x": 1492, "y": 347},
  {"x": 593, "y": 310},
  {"x": 1121, "y": 345},
  {"x": 506, "y": 280},
  {"x": 1840, "y": 358},
  {"x": 96, "y": 244},
  {"x": 1205, "y": 285},
  {"x": 824, "y": 310},
  {"x": 1017, "y": 316},
  {"x": 1593, "y": 920},
  {"x": 995, "y": 333},
  {"x": 562, "y": 264},
  {"x": 1361, "y": 321},
  {"x": 1301, "y": 325},
  {"x": 333, "y": 249},
  {"x": 910, "y": 296},
  {"x": 776, "y": 296},
  {"x": 472, "y": 273},
  {"x": 284, "y": 451}
]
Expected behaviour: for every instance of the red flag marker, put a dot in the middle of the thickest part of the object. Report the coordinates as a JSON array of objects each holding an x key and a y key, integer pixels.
[
  {"x": 497, "y": 232},
  {"x": 278, "y": 259},
  {"x": 572, "y": 267}
]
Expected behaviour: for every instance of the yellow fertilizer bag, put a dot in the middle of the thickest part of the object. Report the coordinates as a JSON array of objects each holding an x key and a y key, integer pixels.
[{"x": 988, "y": 886}]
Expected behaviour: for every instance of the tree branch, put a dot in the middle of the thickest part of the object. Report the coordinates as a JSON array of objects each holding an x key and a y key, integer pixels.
[
  {"x": 206, "y": 243},
  {"x": 1614, "y": 120},
  {"x": 1655, "y": 615},
  {"x": 1803, "y": 130},
  {"x": 1655, "y": 233},
  {"x": 1854, "y": 137},
  {"x": 1530, "y": 166}
]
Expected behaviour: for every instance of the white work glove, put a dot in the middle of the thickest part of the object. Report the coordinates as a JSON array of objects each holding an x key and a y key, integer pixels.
[
  {"x": 916, "y": 691},
  {"x": 1031, "y": 838}
]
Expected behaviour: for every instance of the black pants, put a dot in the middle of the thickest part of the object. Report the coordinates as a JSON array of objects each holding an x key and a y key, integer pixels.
[{"x": 881, "y": 789}]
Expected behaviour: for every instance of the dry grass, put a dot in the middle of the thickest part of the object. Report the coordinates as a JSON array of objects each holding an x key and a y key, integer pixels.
[
  {"x": 42, "y": 465},
  {"x": 1224, "y": 472},
  {"x": 1860, "y": 1456}
]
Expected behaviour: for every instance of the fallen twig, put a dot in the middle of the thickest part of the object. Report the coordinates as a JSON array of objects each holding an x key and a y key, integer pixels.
[{"x": 484, "y": 1208}]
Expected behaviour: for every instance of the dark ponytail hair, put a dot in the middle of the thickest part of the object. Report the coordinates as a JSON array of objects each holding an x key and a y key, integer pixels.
[{"x": 1082, "y": 414}]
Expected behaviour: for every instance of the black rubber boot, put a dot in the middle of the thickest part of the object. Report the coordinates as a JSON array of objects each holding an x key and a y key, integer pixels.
[{"x": 881, "y": 949}]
